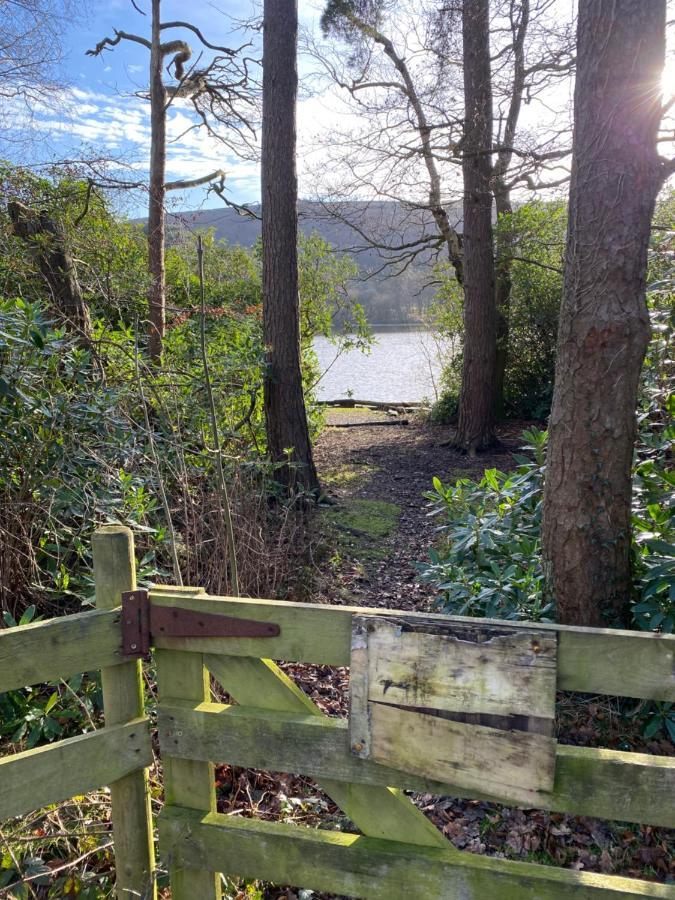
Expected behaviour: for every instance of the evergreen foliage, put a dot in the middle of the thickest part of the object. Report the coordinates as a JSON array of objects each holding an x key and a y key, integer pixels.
[
  {"x": 489, "y": 559},
  {"x": 93, "y": 435},
  {"x": 537, "y": 232}
]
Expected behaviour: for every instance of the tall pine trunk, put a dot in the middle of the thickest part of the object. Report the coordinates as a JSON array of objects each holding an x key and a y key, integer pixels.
[
  {"x": 285, "y": 415},
  {"x": 476, "y": 426},
  {"x": 157, "y": 193},
  {"x": 503, "y": 285},
  {"x": 604, "y": 324}
]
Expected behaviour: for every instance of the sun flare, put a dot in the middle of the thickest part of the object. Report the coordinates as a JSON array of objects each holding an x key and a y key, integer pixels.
[{"x": 668, "y": 77}]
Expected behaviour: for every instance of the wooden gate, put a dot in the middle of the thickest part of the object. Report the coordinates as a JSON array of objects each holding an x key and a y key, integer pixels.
[
  {"x": 117, "y": 755},
  {"x": 272, "y": 725}
]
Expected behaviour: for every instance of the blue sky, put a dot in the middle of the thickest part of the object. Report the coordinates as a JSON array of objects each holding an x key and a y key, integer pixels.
[{"x": 100, "y": 114}]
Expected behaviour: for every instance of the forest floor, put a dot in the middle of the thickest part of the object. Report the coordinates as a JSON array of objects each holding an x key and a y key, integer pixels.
[
  {"x": 381, "y": 528},
  {"x": 374, "y": 533}
]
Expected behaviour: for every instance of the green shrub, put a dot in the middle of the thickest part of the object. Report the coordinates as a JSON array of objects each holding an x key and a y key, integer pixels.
[
  {"x": 654, "y": 474},
  {"x": 536, "y": 232},
  {"x": 488, "y": 562},
  {"x": 446, "y": 408},
  {"x": 66, "y": 462},
  {"x": 538, "y": 236}
]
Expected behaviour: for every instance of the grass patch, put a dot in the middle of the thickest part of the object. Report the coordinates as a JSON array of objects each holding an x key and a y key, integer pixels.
[
  {"x": 369, "y": 518},
  {"x": 359, "y": 525},
  {"x": 347, "y": 475}
]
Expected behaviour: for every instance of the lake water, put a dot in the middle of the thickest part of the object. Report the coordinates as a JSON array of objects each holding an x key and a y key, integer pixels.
[{"x": 404, "y": 365}]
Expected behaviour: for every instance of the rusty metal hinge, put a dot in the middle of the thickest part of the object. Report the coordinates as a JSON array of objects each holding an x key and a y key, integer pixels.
[{"x": 142, "y": 621}]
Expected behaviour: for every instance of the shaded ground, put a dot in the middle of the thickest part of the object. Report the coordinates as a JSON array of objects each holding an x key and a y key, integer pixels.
[{"x": 364, "y": 467}]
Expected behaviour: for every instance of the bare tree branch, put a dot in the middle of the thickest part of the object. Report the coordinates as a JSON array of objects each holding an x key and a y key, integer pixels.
[
  {"x": 108, "y": 43},
  {"x": 201, "y": 37},
  {"x": 187, "y": 183}
]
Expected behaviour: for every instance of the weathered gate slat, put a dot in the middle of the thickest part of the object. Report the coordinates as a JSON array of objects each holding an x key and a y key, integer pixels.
[
  {"x": 607, "y": 784},
  {"x": 46, "y": 775},
  {"x": 381, "y": 870},
  {"x": 603, "y": 661},
  {"x": 476, "y": 757},
  {"x": 122, "y": 689},
  {"x": 455, "y": 702},
  {"x": 458, "y": 669},
  {"x": 380, "y": 811},
  {"x": 59, "y": 648},
  {"x": 188, "y": 782}
]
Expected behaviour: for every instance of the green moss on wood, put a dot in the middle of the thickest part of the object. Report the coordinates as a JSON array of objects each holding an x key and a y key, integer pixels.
[
  {"x": 608, "y": 784},
  {"x": 590, "y": 660},
  {"x": 380, "y": 811},
  {"x": 68, "y": 768},
  {"x": 59, "y": 648},
  {"x": 383, "y": 870}
]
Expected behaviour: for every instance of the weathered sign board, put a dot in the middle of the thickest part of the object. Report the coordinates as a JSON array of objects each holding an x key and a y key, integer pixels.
[{"x": 470, "y": 705}]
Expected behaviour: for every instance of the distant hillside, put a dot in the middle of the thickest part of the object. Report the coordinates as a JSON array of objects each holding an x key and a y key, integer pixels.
[{"x": 387, "y": 299}]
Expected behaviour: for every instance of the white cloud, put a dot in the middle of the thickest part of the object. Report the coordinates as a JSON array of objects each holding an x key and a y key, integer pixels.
[{"x": 120, "y": 126}]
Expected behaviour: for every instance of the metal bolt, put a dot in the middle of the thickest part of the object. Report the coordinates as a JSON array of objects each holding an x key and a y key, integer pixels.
[
  {"x": 536, "y": 647},
  {"x": 133, "y": 646},
  {"x": 358, "y": 746}
]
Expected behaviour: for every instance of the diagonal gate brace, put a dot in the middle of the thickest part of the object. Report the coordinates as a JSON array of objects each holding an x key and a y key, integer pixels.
[{"x": 142, "y": 621}]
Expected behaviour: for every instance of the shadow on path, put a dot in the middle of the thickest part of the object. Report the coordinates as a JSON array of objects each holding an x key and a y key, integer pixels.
[{"x": 380, "y": 523}]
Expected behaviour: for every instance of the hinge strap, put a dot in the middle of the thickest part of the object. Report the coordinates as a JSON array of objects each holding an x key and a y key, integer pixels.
[{"x": 142, "y": 622}]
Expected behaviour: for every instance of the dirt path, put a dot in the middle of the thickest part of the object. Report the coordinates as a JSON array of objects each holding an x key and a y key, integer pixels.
[{"x": 377, "y": 477}]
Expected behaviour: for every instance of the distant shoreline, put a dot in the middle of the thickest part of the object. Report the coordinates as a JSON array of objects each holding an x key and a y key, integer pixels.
[{"x": 392, "y": 326}]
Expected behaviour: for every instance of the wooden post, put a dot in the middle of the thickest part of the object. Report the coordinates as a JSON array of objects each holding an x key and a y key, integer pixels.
[
  {"x": 187, "y": 783},
  {"x": 115, "y": 572}
]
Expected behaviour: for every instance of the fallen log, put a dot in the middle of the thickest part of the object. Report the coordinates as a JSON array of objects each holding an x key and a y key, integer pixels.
[
  {"x": 348, "y": 403},
  {"x": 366, "y": 424}
]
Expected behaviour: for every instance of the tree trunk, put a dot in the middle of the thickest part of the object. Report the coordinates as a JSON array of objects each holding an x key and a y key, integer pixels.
[
  {"x": 156, "y": 292},
  {"x": 503, "y": 205},
  {"x": 604, "y": 324},
  {"x": 475, "y": 430},
  {"x": 286, "y": 420},
  {"x": 503, "y": 265},
  {"x": 47, "y": 241}
]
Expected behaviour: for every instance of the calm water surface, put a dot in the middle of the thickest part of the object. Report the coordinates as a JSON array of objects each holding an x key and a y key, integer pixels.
[{"x": 404, "y": 364}]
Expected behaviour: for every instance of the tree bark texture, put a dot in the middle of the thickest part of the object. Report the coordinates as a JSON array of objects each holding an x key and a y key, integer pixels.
[
  {"x": 604, "y": 324},
  {"x": 504, "y": 206},
  {"x": 503, "y": 285},
  {"x": 475, "y": 430},
  {"x": 285, "y": 415},
  {"x": 47, "y": 241},
  {"x": 157, "y": 193}
]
